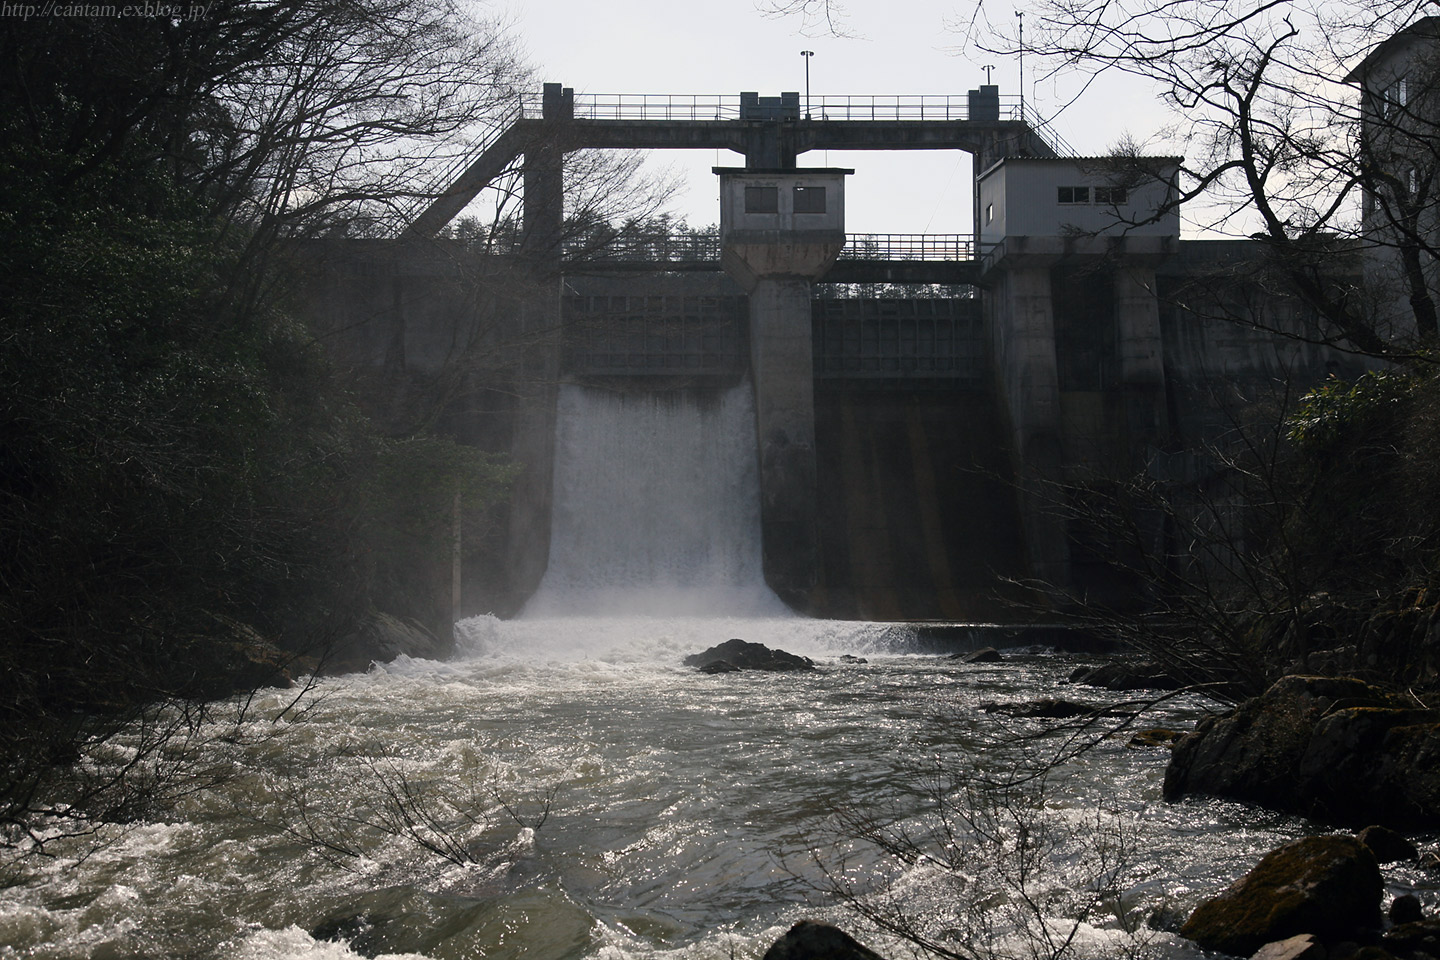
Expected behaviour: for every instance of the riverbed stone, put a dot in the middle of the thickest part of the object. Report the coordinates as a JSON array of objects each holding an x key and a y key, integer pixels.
[
  {"x": 1334, "y": 749},
  {"x": 1047, "y": 709},
  {"x": 983, "y": 655},
  {"x": 1326, "y": 886},
  {"x": 1419, "y": 938},
  {"x": 1305, "y": 946},
  {"x": 1126, "y": 675},
  {"x": 381, "y": 638},
  {"x": 1389, "y": 846},
  {"x": 1154, "y": 737},
  {"x": 809, "y": 940},
  {"x": 1406, "y": 908},
  {"x": 744, "y": 655}
]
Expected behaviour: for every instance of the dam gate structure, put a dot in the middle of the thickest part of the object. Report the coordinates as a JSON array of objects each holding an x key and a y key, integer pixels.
[{"x": 918, "y": 399}]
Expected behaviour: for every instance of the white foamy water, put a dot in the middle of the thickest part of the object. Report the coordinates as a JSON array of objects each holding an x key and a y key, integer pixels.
[
  {"x": 656, "y": 507},
  {"x": 688, "y": 815}
]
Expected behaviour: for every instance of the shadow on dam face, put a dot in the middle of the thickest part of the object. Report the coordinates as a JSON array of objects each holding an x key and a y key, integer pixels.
[{"x": 917, "y": 511}]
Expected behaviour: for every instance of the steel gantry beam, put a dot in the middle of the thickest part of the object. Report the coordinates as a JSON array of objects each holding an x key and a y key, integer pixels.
[{"x": 769, "y": 137}]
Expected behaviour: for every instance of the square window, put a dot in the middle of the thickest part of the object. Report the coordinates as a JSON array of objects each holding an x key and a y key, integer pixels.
[
  {"x": 809, "y": 199},
  {"x": 1111, "y": 195},
  {"x": 762, "y": 199},
  {"x": 1074, "y": 194}
]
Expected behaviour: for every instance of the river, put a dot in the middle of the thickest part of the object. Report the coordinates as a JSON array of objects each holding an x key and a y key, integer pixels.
[{"x": 689, "y": 815}]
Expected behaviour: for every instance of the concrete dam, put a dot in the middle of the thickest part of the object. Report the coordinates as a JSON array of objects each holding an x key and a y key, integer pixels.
[{"x": 906, "y": 406}]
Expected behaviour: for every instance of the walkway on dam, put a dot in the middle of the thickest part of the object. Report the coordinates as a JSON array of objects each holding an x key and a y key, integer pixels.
[{"x": 770, "y": 132}]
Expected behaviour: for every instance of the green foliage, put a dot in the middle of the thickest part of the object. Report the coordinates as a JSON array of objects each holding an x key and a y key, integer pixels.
[{"x": 1339, "y": 413}]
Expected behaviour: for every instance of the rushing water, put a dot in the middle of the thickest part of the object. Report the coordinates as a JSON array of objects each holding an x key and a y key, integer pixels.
[
  {"x": 564, "y": 788},
  {"x": 684, "y": 814},
  {"x": 657, "y": 506}
]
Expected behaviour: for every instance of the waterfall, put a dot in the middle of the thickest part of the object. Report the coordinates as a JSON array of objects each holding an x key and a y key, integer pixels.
[{"x": 656, "y": 507}]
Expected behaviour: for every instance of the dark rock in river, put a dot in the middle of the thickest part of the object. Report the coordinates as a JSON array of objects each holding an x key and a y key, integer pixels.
[
  {"x": 1122, "y": 675},
  {"x": 1045, "y": 709},
  {"x": 1334, "y": 749},
  {"x": 1406, "y": 909},
  {"x": 808, "y": 940},
  {"x": 1154, "y": 737},
  {"x": 380, "y": 639},
  {"x": 1416, "y": 939},
  {"x": 1387, "y": 845},
  {"x": 719, "y": 666},
  {"x": 983, "y": 655},
  {"x": 1326, "y": 886},
  {"x": 741, "y": 655},
  {"x": 851, "y": 658}
]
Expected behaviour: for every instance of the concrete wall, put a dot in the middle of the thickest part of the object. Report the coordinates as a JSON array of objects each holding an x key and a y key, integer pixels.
[{"x": 930, "y": 480}]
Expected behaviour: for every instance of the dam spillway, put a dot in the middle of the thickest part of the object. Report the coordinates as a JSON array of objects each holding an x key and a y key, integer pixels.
[{"x": 656, "y": 506}]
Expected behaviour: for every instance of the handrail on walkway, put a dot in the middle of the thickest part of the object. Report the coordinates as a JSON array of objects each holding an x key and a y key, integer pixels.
[
  {"x": 705, "y": 248},
  {"x": 669, "y": 106}
]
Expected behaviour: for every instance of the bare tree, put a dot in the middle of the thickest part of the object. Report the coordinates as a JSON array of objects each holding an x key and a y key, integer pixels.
[
  {"x": 983, "y": 871},
  {"x": 1279, "y": 147}
]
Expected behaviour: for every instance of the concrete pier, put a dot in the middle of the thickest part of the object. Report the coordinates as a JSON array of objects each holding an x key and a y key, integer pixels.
[{"x": 779, "y": 231}]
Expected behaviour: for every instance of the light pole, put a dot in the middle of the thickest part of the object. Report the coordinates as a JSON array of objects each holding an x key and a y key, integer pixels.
[
  {"x": 807, "y": 54},
  {"x": 1021, "y": 15}
]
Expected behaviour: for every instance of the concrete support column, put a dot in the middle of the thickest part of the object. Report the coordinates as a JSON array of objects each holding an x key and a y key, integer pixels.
[
  {"x": 782, "y": 368},
  {"x": 538, "y": 344},
  {"x": 780, "y": 230},
  {"x": 532, "y": 445},
  {"x": 1030, "y": 389},
  {"x": 1142, "y": 362}
]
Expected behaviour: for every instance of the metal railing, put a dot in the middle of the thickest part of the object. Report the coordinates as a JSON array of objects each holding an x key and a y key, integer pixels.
[
  {"x": 524, "y": 105},
  {"x": 705, "y": 248},
  {"x": 908, "y": 247},
  {"x": 673, "y": 248},
  {"x": 669, "y": 106}
]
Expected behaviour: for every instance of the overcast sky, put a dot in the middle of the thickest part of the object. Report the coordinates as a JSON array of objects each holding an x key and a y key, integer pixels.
[{"x": 901, "y": 47}]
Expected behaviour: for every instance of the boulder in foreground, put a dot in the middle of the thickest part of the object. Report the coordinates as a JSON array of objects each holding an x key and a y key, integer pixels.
[
  {"x": 742, "y": 655},
  {"x": 1326, "y": 886}
]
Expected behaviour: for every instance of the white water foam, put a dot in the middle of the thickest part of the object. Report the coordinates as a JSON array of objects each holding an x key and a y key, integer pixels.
[
  {"x": 656, "y": 507},
  {"x": 643, "y": 640}
]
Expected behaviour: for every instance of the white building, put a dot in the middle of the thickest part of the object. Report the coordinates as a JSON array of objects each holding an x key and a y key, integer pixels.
[{"x": 1077, "y": 197}]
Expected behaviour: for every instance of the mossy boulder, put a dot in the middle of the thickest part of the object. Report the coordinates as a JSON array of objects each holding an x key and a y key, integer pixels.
[
  {"x": 1326, "y": 886},
  {"x": 1335, "y": 749}
]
